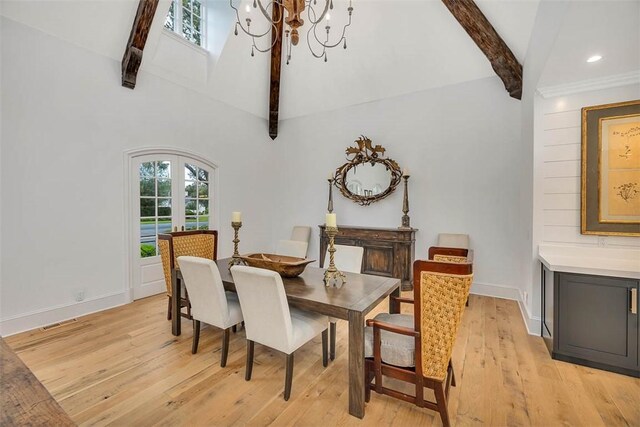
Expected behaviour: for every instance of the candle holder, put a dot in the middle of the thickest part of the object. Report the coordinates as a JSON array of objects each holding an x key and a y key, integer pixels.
[
  {"x": 406, "y": 221},
  {"x": 330, "y": 205},
  {"x": 331, "y": 275},
  {"x": 235, "y": 258}
]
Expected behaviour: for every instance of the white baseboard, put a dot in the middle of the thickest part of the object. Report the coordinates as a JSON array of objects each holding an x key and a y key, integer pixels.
[
  {"x": 508, "y": 292},
  {"x": 38, "y": 318}
]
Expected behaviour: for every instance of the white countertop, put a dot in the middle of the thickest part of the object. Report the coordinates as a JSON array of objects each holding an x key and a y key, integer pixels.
[{"x": 591, "y": 260}]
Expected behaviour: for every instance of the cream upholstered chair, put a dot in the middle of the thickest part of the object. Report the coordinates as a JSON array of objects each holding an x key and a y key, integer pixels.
[
  {"x": 349, "y": 259},
  {"x": 200, "y": 243},
  {"x": 448, "y": 240},
  {"x": 209, "y": 301},
  {"x": 301, "y": 233},
  {"x": 292, "y": 248},
  {"x": 271, "y": 322},
  {"x": 418, "y": 348}
]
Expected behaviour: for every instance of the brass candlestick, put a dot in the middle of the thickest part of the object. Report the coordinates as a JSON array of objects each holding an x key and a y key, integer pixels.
[
  {"x": 331, "y": 275},
  {"x": 406, "y": 221},
  {"x": 235, "y": 258},
  {"x": 330, "y": 205}
]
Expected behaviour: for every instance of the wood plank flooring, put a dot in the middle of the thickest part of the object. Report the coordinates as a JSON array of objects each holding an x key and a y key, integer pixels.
[{"x": 123, "y": 367}]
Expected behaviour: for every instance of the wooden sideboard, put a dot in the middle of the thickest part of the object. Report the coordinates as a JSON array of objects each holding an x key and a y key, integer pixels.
[{"x": 387, "y": 251}]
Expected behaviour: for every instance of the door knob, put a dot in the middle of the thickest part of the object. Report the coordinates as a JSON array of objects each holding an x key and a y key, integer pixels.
[
  {"x": 175, "y": 228},
  {"x": 182, "y": 228}
]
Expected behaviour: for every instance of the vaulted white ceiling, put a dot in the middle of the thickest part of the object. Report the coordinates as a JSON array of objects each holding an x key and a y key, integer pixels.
[{"x": 394, "y": 47}]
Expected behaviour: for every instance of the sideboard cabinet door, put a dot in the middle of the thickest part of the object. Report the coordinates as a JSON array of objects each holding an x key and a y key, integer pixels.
[{"x": 594, "y": 319}]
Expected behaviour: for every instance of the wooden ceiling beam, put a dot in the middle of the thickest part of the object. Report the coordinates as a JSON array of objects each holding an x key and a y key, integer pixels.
[
  {"x": 276, "y": 62},
  {"x": 502, "y": 59},
  {"x": 137, "y": 39}
]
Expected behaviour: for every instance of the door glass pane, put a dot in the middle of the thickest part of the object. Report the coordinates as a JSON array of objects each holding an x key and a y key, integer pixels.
[
  {"x": 147, "y": 187},
  {"x": 147, "y": 237},
  {"x": 190, "y": 172},
  {"x": 203, "y": 175},
  {"x": 203, "y": 190},
  {"x": 147, "y": 248},
  {"x": 191, "y": 223},
  {"x": 147, "y": 207},
  {"x": 164, "y": 169},
  {"x": 147, "y": 169},
  {"x": 164, "y": 207},
  {"x": 203, "y": 207},
  {"x": 190, "y": 206},
  {"x": 190, "y": 189},
  {"x": 203, "y": 222},
  {"x": 164, "y": 188}
]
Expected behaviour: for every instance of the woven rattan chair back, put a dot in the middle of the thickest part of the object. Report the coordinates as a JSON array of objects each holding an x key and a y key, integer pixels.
[
  {"x": 440, "y": 300},
  {"x": 198, "y": 243}
]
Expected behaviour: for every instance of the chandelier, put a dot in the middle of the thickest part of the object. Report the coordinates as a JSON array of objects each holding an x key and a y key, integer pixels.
[{"x": 318, "y": 40}]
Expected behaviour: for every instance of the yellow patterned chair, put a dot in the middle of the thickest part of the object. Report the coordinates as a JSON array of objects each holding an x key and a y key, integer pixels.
[
  {"x": 197, "y": 243},
  {"x": 417, "y": 348}
]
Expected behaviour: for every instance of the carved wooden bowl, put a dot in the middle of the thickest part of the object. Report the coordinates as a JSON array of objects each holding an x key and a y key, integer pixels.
[{"x": 286, "y": 266}]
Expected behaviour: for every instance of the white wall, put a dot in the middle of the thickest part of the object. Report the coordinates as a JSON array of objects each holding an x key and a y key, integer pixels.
[
  {"x": 461, "y": 144},
  {"x": 66, "y": 123}
]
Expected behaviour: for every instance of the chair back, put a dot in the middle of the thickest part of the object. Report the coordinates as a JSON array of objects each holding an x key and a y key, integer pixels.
[
  {"x": 440, "y": 293},
  {"x": 454, "y": 255},
  {"x": 198, "y": 243},
  {"x": 264, "y": 306},
  {"x": 292, "y": 248},
  {"x": 448, "y": 240},
  {"x": 206, "y": 291},
  {"x": 301, "y": 233},
  {"x": 346, "y": 258}
]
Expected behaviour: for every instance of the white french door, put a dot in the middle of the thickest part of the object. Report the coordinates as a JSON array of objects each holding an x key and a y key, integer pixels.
[{"x": 169, "y": 193}]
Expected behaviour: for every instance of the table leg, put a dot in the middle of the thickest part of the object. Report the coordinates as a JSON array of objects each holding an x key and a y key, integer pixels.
[
  {"x": 175, "y": 304},
  {"x": 356, "y": 364},
  {"x": 394, "y": 305}
]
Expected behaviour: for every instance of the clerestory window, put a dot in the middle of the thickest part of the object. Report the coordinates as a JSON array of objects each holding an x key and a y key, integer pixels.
[{"x": 185, "y": 18}]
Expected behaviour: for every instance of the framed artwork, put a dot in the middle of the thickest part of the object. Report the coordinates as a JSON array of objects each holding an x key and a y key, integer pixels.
[{"x": 610, "y": 202}]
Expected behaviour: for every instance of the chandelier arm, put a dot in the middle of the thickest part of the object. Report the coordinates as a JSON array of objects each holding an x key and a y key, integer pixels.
[
  {"x": 326, "y": 43},
  {"x": 245, "y": 30},
  {"x": 311, "y": 9}
]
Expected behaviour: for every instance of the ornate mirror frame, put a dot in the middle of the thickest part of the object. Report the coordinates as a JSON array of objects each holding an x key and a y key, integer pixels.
[{"x": 365, "y": 152}]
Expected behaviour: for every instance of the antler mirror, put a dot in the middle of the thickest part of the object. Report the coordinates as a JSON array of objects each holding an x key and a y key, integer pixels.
[{"x": 367, "y": 176}]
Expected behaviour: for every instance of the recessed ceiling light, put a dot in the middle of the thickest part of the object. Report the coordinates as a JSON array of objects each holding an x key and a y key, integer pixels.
[{"x": 594, "y": 58}]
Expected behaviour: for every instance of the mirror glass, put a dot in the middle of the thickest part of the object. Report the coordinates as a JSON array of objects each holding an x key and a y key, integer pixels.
[{"x": 368, "y": 179}]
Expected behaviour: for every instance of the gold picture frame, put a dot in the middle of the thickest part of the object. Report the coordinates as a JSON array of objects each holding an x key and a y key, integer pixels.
[{"x": 610, "y": 169}]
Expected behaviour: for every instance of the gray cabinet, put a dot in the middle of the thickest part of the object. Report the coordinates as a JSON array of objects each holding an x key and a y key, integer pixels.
[{"x": 590, "y": 320}]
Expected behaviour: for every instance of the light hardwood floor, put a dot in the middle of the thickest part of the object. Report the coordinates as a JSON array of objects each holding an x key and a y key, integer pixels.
[{"x": 123, "y": 367}]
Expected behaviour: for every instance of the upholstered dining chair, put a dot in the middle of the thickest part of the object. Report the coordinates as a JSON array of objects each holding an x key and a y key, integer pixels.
[
  {"x": 449, "y": 240},
  {"x": 199, "y": 243},
  {"x": 417, "y": 349},
  {"x": 349, "y": 259},
  {"x": 271, "y": 322},
  {"x": 209, "y": 301},
  {"x": 292, "y": 248},
  {"x": 301, "y": 233}
]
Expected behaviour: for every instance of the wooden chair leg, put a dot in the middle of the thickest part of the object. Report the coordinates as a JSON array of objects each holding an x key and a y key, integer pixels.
[
  {"x": 325, "y": 358},
  {"x": 233, "y": 329},
  {"x": 441, "y": 401},
  {"x": 225, "y": 348},
  {"x": 332, "y": 334},
  {"x": 249, "y": 367},
  {"x": 169, "y": 309},
  {"x": 368, "y": 377},
  {"x": 196, "y": 336},
  {"x": 453, "y": 375},
  {"x": 288, "y": 377}
]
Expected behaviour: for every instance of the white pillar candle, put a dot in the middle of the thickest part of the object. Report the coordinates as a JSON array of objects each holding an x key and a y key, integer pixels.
[
  {"x": 330, "y": 176},
  {"x": 405, "y": 171},
  {"x": 331, "y": 220},
  {"x": 236, "y": 216}
]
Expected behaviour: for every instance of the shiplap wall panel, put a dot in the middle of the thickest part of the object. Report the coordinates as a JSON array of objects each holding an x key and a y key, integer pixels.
[
  {"x": 561, "y": 146},
  {"x": 562, "y": 152},
  {"x": 562, "y": 169},
  {"x": 562, "y": 185},
  {"x": 562, "y": 136}
]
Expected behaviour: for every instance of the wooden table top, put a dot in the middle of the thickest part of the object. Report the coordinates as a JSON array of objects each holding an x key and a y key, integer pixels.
[
  {"x": 361, "y": 292},
  {"x": 23, "y": 399}
]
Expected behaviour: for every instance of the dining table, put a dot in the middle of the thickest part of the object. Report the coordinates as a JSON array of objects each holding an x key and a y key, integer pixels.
[{"x": 360, "y": 294}]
